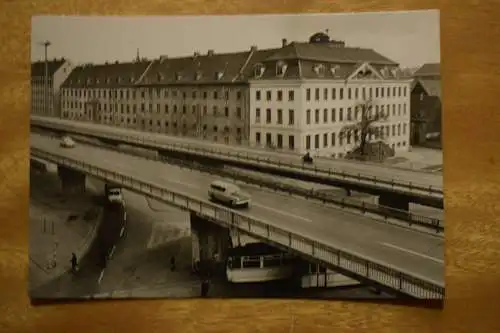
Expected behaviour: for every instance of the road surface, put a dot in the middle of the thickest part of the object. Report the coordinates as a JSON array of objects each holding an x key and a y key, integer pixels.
[
  {"x": 351, "y": 167},
  {"x": 410, "y": 251}
]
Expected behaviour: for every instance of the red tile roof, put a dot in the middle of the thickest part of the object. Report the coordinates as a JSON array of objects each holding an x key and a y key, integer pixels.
[
  {"x": 106, "y": 75},
  {"x": 429, "y": 69},
  {"x": 38, "y": 67}
]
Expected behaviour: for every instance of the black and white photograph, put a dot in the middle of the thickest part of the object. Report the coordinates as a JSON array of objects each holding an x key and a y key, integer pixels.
[{"x": 256, "y": 156}]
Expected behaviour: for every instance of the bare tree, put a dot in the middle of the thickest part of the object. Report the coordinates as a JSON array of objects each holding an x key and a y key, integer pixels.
[{"x": 365, "y": 128}]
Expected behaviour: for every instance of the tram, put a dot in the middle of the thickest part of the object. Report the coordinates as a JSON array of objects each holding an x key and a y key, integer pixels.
[{"x": 258, "y": 262}]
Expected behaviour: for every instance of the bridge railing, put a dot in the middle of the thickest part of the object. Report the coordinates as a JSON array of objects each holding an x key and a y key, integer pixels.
[
  {"x": 381, "y": 273},
  {"x": 255, "y": 158}
]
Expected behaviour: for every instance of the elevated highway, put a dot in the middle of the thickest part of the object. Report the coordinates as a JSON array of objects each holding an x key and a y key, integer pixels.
[
  {"x": 392, "y": 257},
  {"x": 396, "y": 187}
]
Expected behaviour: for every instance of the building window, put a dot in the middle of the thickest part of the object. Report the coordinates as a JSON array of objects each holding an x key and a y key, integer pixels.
[
  {"x": 238, "y": 95},
  {"x": 279, "y": 141},
  {"x": 279, "y": 116},
  {"x": 325, "y": 94},
  {"x": 226, "y": 111},
  {"x": 325, "y": 140},
  {"x": 238, "y": 113},
  {"x": 291, "y": 117},
  {"x": 308, "y": 94},
  {"x": 280, "y": 95},
  {"x": 257, "y": 95},
  {"x": 268, "y": 95},
  {"x": 325, "y": 116},
  {"x": 308, "y": 117},
  {"x": 333, "y": 115},
  {"x": 308, "y": 142},
  {"x": 269, "y": 140},
  {"x": 316, "y": 94},
  {"x": 334, "y": 93},
  {"x": 316, "y": 141},
  {"x": 341, "y": 93},
  {"x": 257, "y": 138},
  {"x": 333, "y": 139},
  {"x": 291, "y": 142},
  {"x": 257, "y": 115},
  {"x": 291, "y": 95},
  {"x": 268, "y": 116},
  {"x": 316, "y": 116}
]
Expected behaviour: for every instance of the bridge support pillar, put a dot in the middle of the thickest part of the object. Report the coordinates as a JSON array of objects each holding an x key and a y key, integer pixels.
[
  {"x": 210, "y": 245},
  {"x": 395, "y": 201},
  {"x": 72, "y": 181}
]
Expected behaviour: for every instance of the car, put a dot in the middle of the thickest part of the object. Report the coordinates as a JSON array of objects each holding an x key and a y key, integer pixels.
[
  {"x": 229, "y": 194},
  {"x": 67, "y": 142}
]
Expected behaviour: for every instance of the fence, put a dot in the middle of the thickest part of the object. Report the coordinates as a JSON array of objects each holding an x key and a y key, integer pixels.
[
  {"x": 138, "y": 138},
  {"x": 329, "y": 256}
]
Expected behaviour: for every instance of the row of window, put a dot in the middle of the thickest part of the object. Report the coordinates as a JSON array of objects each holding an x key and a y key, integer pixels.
[
  {"x": 338, "y": 93},
  {"x": 150, "y": 93},
  {"x": 379, "y": 112},
  {"x": 316, "y": 141},
  {"x": 215, "y": 111}
]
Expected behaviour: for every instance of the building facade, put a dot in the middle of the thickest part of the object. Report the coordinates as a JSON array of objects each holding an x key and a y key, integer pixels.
[
  {"x": 306, "y": 93},
  {"x": 426, "y": 109},
  {"x": 297, "y": 96},
  {"x": 48, "y": 104}
]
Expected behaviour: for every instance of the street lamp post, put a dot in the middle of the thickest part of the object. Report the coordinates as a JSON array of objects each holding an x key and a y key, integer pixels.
[{"x": 46, "y": 45}]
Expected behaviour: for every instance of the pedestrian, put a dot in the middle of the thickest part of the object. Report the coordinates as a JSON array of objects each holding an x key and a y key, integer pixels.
[
  {"x": 172, "y": 263},
  {"x": 74, "y": 262},
  {"x": 204, "y": 287}
]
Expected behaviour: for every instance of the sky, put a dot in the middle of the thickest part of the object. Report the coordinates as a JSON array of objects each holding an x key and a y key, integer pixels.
[{"x": 409, "y": 38}]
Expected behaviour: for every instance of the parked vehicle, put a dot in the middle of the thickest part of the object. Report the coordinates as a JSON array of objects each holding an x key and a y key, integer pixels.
[
  {"x": 114, "y": 194},
  {"x": 307, "y": 159},
  {"x": 228, "y": 193},
  {"x": 67, "y": 142}
]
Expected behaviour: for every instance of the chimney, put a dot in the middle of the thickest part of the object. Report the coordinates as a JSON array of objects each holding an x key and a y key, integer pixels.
[
  {"x": 284, "y": 42},
  {"x": 253, "y": 48},
  {"x": 196, "y": 54},
  {"x": 210, "y": 52}
]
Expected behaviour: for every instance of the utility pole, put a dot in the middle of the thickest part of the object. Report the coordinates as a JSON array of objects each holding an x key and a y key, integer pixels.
[{"x": 46, "y": 45}]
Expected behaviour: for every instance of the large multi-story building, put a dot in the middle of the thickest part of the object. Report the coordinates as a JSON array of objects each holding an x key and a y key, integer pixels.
[
  {"x": 298, "y": 96},
  {"x": 48, "y": 103},
  {"x": 426, "y": 107},
  {"x": 305, "y": 93}
]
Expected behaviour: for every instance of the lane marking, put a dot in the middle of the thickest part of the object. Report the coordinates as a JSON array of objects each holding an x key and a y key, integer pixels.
[
  {"x": 100, "y": 277},
  {"x": 413, "y": 252},
  {"x": 280, "y": 212}
]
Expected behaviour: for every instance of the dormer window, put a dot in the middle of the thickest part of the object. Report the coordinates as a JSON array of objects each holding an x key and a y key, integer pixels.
[
  {"x": 89, "y": 81},
  {"x": 131, "y": 79},
  {"x": 219, "y": 75},
  {"x": 281, "y": 67},
  {"x": 384, "y": 71},
  {"x": 197, "y": 75},
  {"x": 118, "y": 79},
  {"x": 107, "y": 80},
  {"x": 394, "y": 72},
  {"x": 333, "y": 69},
  {"x": 159, "y": 77},
  {"x": 258, "y": 70},
  {"x": 319, "y": 69},
  {"x": 178, "y": 76},
  {"x": 79, "y": 81},
  {"x": 97, "y": 80}
]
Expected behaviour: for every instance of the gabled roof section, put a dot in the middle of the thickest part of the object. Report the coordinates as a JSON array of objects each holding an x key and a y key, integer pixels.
[
  {"x": 365, "y": 72},
  {"x": 38, "y": 67},
  {"x": 329, "y": 52},
  {"x": 197, "y": 69},
  {"x": 106, "y": 75},
  {"x": 431, "y": 87},
  {"x": 429, "y": 69}
]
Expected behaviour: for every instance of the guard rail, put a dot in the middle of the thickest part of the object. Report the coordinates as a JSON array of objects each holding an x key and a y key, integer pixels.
[
  {"x": 143, "y": 140},
  {"x": 364, "y": 268}
]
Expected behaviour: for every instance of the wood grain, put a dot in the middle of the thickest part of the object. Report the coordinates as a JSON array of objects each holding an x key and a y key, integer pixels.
[{"x": 471, "y": 87}]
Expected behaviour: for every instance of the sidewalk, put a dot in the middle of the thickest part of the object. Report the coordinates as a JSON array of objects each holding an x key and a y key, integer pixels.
[{"x": 57, "y": 228}]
